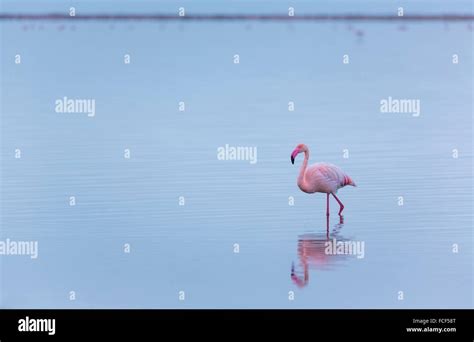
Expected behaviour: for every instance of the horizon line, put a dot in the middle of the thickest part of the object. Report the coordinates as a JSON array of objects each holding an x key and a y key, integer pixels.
[{"x": 235, "y": 17}]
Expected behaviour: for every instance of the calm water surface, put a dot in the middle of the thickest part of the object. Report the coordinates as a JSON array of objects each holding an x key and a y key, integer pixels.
[{"x": 190, "y": 248}]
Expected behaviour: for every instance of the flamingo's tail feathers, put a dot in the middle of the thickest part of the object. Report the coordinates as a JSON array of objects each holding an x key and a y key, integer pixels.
[{"x": 348, "y": 181}]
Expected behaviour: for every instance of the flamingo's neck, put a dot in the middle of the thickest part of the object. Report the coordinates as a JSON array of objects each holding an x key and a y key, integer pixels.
[{"x": 303, "y": 168}]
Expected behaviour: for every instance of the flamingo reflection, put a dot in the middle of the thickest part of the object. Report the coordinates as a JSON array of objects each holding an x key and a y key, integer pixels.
[{"x": 311, "y": 253}]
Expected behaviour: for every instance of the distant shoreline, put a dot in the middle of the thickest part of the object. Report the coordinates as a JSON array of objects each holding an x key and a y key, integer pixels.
[{"x": 237, "y": 17}]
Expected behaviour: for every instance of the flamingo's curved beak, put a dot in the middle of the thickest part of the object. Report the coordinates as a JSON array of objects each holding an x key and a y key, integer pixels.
[{"x": 293, "y": 155}]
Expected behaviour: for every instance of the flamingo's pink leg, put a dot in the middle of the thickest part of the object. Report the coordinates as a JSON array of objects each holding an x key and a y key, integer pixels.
[
  {"x": 327, "y": 227},
  {"x": 327, "y": 205},
  {"x": 341, "y": 206}
]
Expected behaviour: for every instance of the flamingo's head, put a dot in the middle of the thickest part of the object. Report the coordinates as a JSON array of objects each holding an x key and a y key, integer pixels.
[{"x": 300, "y": 148}]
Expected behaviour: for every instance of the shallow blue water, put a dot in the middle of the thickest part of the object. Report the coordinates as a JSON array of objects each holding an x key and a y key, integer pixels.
[{"x": 190, "y": 248}]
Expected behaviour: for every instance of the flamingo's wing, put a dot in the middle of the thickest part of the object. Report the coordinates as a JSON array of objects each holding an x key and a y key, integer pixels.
[{"x": 329, "y": 177}]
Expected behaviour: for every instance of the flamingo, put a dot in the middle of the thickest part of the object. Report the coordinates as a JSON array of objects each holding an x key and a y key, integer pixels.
[{"x": 320, "y": 177}]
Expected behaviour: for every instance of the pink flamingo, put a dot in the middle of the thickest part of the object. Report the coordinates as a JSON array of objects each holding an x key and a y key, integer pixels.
[{"x": 320, "y": 177}]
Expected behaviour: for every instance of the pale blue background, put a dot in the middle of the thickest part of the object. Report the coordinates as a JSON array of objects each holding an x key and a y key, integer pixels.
[{"x": 174, "y": 154}]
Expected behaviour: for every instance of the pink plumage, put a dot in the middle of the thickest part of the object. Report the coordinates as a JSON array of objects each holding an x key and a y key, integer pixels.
[{"x": 320, "y": 177}]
